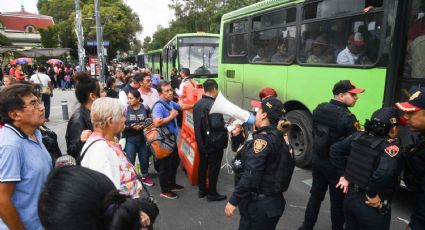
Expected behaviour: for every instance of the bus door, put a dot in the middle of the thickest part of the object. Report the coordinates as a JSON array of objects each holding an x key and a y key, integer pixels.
[{"x": 407, "y": 67}]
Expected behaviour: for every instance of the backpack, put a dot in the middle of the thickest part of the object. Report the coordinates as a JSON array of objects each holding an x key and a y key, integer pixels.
[
  {"x": 325, "y": 128},
  {"x": 212, "y": 139},
  {"x": 159, "y": 139},
  {"x": 285, "y": 169}
]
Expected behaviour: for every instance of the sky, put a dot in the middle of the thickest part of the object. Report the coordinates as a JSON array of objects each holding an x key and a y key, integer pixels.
[{"x": 151, "y": 12}]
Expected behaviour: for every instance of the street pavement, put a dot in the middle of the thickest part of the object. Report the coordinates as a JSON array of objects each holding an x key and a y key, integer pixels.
[{"x": 191, "y": 212}]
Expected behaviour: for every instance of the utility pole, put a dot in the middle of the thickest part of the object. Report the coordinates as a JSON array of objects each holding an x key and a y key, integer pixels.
[
  {"x": 80, "y": 36},
  {"x": 99, "y": 39}
]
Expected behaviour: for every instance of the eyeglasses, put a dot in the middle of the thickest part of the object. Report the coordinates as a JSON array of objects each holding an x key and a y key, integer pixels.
[{"x": 34, "y": 104}]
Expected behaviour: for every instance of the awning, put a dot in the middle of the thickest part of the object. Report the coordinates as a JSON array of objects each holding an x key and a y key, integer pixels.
[
  {"x": 4, "y": 49},
  {"x": 48, "y": 52}
]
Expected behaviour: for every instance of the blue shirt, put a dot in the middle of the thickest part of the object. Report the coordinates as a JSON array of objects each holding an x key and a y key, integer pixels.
[
  {"x": 155, "y": 80},
  {"x": 27, "y": 163},
  {"x": 159, "y": 111}
]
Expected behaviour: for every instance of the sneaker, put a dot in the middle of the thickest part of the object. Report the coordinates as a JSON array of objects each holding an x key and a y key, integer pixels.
[
  {"x": 169, "y": 195},
  {"x": 176, "y": 188},
  {"x": 147, "y": 180}
]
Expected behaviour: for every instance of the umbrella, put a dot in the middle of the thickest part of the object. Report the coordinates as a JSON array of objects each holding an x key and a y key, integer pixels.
[
  {"x": 21, "y": 61},
  {"x": 54, "y": 61}
]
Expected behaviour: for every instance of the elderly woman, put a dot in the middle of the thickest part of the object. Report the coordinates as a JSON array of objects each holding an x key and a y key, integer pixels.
[
  {"x": 7, "y": 80},
  {"x": 101, "y": 152}
]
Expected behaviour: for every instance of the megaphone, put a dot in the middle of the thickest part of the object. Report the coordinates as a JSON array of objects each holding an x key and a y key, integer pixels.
[{"x": 224, "y": 106}]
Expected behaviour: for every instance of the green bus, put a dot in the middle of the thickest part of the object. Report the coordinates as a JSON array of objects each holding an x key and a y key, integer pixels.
[
  {"x": 154, "y": 60},
  {"x": 302, "y": 48},
  {"x": 196, "y": 51}
]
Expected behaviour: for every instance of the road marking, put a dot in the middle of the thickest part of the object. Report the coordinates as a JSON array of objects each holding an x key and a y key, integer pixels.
[
  {"x": 308, "y": 182},
  {"x": 403, "y": 220},
  {"x": 296, "y": 206}
]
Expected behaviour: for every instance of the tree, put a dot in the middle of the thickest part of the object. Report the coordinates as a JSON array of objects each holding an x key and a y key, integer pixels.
[
  {"x": 49, "y": 37},
  {"x": 194, "y": 16},
  {"x": 120, "y": 29},
  {"x": 147, "y": 42},
  {"x": 4, "y": 41}
]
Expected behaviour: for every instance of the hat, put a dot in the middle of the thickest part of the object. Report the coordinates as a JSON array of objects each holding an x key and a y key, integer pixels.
[
  {"x": 357, "y": 38},
  {"x": 386, "y": 115},
  {"x": 319, "y": 41},
  {"x": 416, "y": 102},
  {"x": 345, "y": 86},
  {"x": 267, "y": 92},
  {"x": 272, "y": 106}
]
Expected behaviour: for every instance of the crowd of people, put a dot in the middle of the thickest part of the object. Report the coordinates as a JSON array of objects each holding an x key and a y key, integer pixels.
[{"x": 103, "y": 189}]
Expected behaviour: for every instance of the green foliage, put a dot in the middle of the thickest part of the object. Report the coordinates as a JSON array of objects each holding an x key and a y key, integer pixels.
[
  {"x": 49, "y": 37},
  {"x": 120, "y": 24},
  {"x": 4, "y": 41},
  {"x": 195, "y": 16}
]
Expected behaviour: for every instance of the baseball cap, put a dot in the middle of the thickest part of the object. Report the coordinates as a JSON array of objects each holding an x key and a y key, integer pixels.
[
  {"x": 272, "y": 106},
  {"x": 357, "y": 38},
  {"x": 416, "y": 102},
  {"x": 345, "y": 86},
  {"x": 386, "y": 115}
]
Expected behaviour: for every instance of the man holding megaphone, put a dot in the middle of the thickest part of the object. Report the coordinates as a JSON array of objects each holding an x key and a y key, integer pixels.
[{"x": 266, "y": 166}]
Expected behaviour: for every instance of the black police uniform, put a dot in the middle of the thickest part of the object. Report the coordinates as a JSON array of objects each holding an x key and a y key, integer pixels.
[
  {"x": 331, "y": 123},
  {"x": 415, "y": 160},
  {"x": 372, "y": 167},
  {"x": 260, "y": 206}
]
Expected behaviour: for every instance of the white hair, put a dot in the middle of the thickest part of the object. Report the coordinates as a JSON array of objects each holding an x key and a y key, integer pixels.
[{"x": 104, "y": 108}]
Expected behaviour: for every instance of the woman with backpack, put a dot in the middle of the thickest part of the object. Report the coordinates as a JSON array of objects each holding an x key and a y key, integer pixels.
[{"x": 135, "y": 117}]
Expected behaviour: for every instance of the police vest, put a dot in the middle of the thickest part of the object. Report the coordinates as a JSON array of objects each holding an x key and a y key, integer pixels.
[
  {"x": 363, "y": 159},
  {"x": 277, "y": 176},
  {"x": 326, "y": 130}
]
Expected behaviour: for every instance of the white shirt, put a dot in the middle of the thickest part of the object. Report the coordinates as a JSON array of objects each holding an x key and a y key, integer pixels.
[
  {"x": 122, "y": 96},
  {"x": 179, "y": 91},
  {"x": 100, "y": 157},
  {"x": 149, "y": 98},
  {"x": 43, "y": 78},
  {"x": 346, "y": 57}
]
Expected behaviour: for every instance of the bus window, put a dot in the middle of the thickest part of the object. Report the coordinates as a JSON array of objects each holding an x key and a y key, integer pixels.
[
  {"x": 276, "y": 45},
  {"x": 237, "y": 45},
  {"x": 346, "y": 41},
  {"x": 271, "y": 19},
  {"x": 415, "y": 58}
]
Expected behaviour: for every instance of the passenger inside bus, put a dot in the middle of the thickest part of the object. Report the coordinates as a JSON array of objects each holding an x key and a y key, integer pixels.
[
  {"x": 320, "y": 52},
  {"x": 282, "y": 54},
  {"x": 415, "y": 57},
  {"x": 354, "y": 52},
  {"x": 261, "y": 56}
]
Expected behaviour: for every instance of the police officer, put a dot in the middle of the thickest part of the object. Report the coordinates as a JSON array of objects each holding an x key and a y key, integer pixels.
[
  {"x": 370, "y": 172},
  {"x": 332, "y": 122},
  {"x": 415, "y": 118},
  {"x": 260, "y": 204}
]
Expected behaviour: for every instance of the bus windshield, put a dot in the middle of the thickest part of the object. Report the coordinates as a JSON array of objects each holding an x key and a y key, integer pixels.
[{"x": 199, "y": 59}]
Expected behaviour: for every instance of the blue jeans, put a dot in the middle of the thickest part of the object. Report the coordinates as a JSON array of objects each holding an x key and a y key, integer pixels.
[{"x": 140, "y": 148}]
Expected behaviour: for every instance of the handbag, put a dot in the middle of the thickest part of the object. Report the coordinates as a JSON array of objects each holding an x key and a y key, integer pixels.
[
  {"x": 160, "y": 140},
  {"x": 44, "y": 89}
]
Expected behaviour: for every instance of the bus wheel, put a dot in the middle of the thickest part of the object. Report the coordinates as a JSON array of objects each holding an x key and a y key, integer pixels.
[{"x": 301, "y": 137}]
